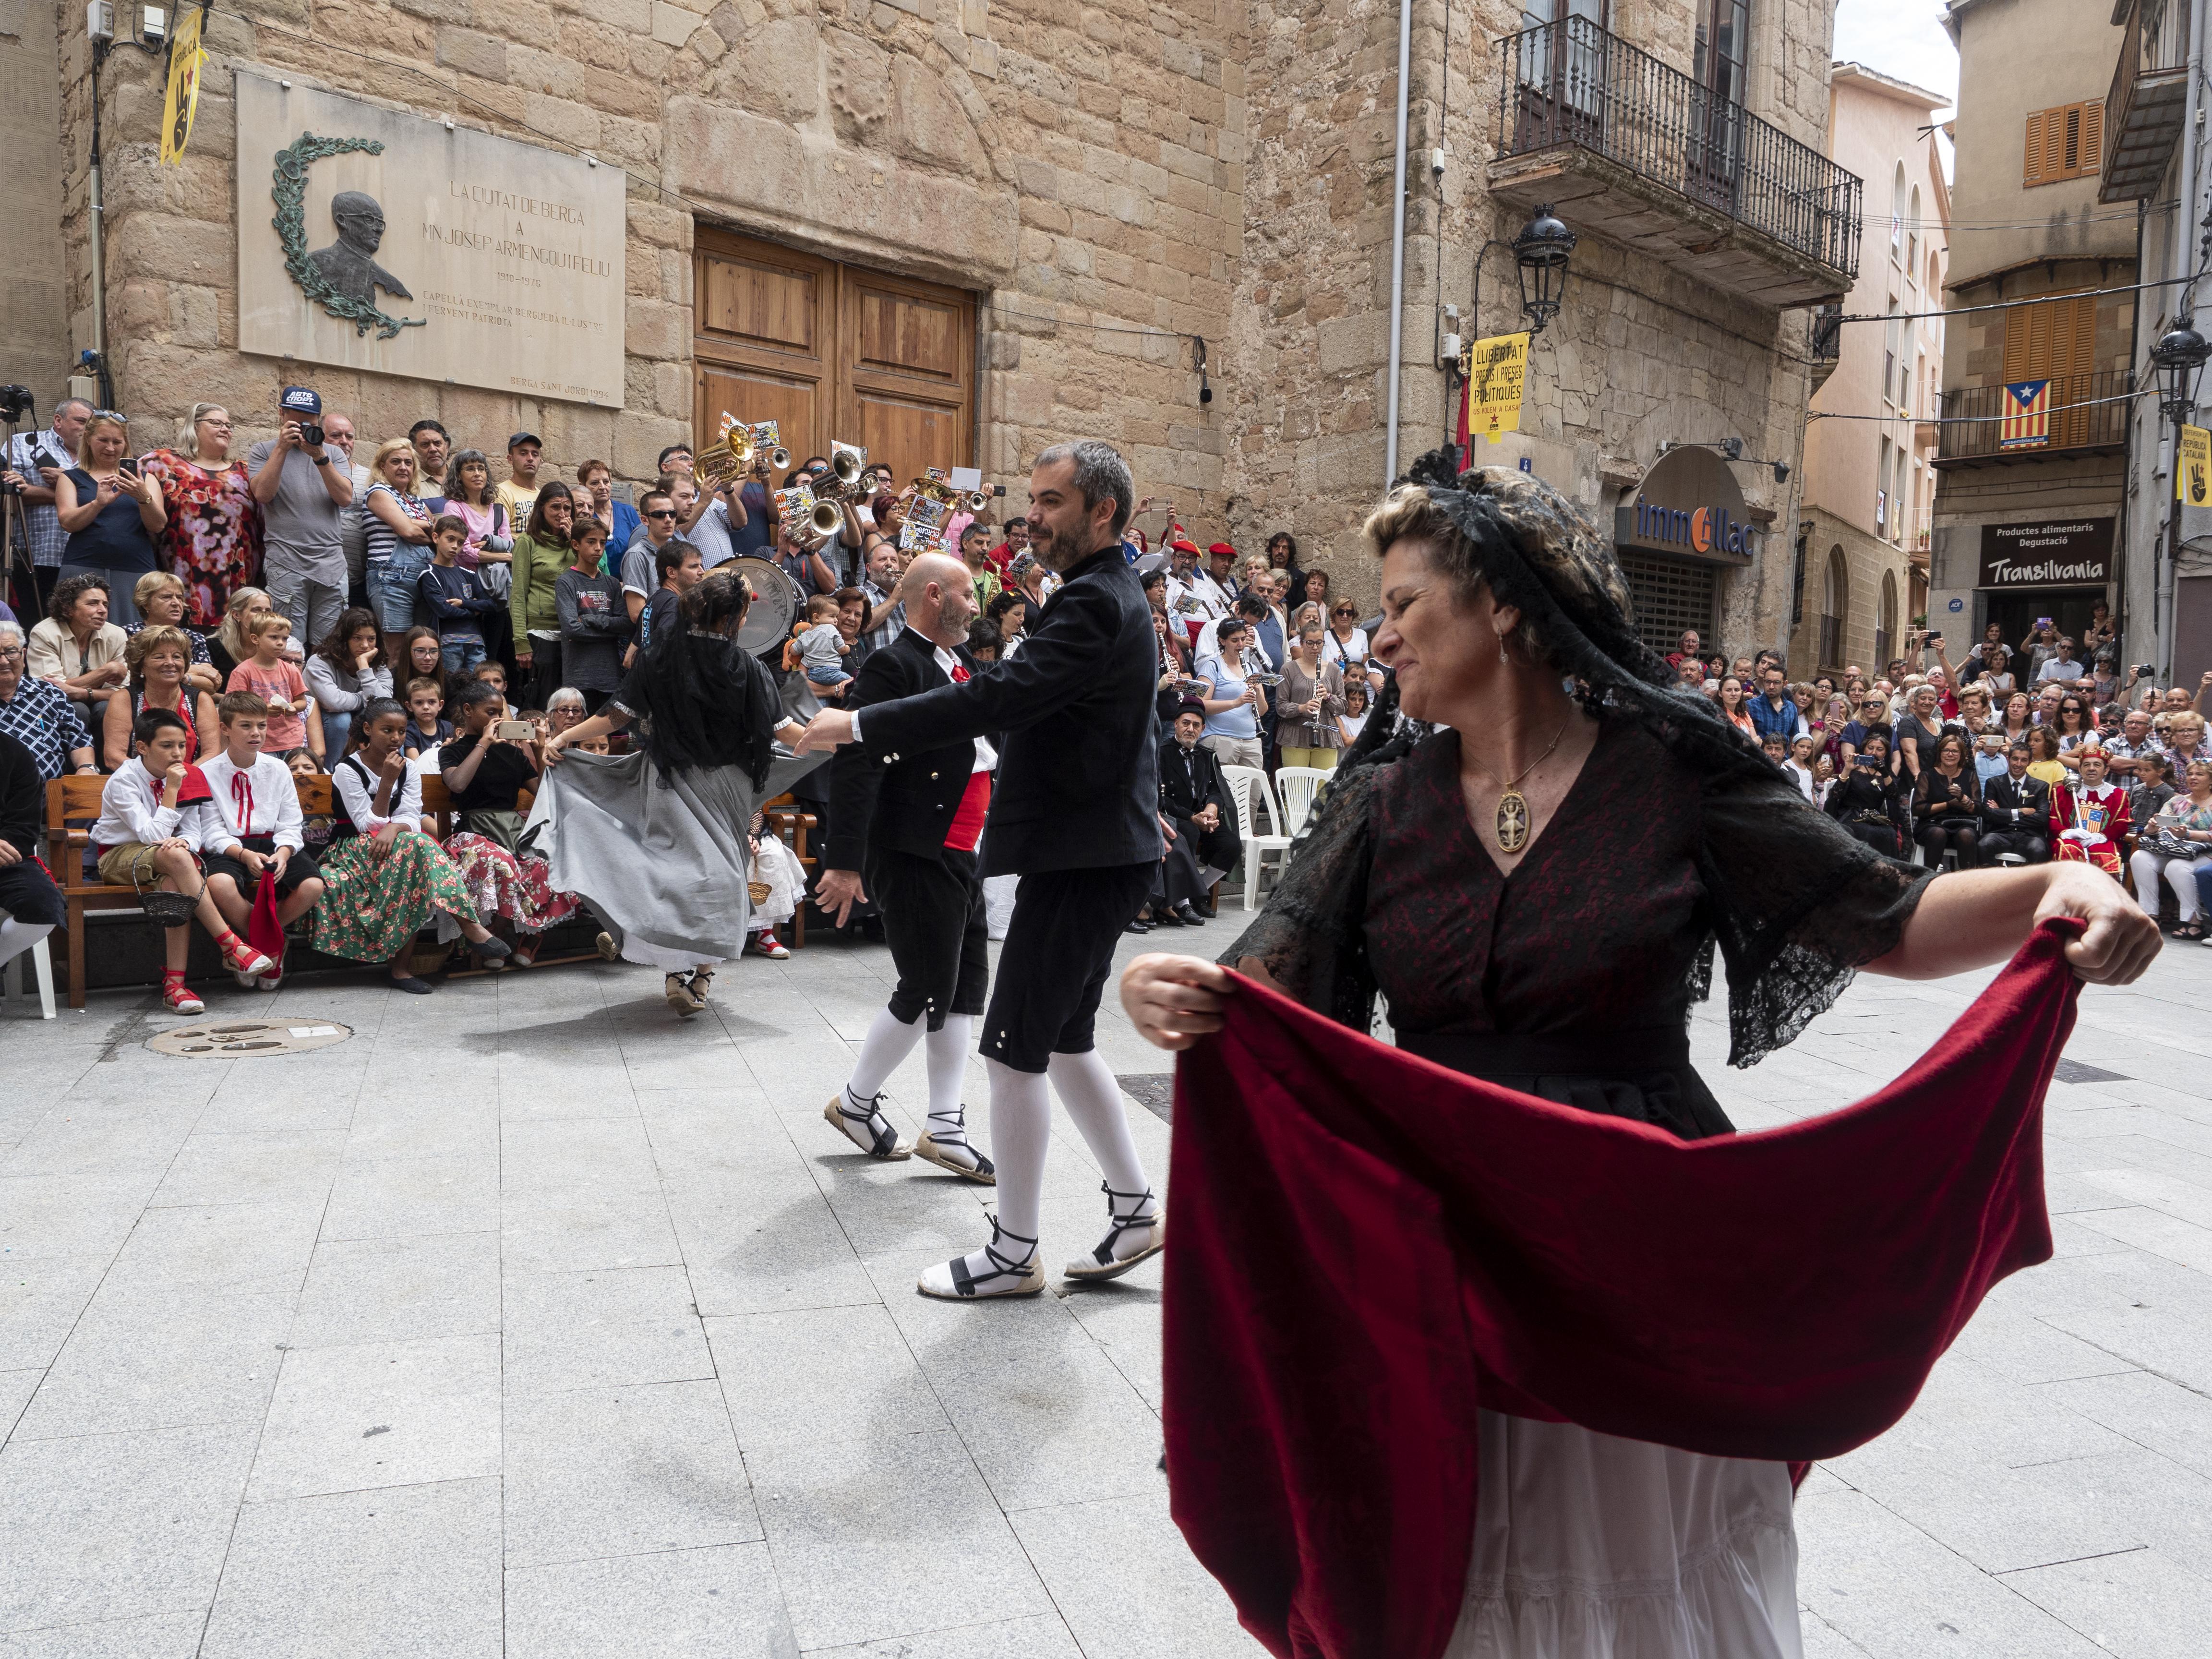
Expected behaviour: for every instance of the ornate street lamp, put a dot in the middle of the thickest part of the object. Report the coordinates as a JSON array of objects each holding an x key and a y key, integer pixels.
[
  {"x": 1541, "y": 250},
  {"x": 2180, "y": 358}
]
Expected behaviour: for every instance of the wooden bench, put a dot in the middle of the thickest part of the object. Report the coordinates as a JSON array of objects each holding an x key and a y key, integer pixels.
[{"x": 72, "y": 808}]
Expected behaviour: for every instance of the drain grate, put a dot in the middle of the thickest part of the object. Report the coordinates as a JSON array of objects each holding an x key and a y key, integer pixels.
[
  {"x": 2074, "y": 1071},
  {"x": 233, "y": 1039},
  {"x": 1153, "y": 1091}
]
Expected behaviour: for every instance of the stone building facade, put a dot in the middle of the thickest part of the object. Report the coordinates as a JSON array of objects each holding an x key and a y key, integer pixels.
[
  {"x": 1869, "y": 483},
  {"x": 1173, "y": 222},
  {"x": 2032, "y": 252}
]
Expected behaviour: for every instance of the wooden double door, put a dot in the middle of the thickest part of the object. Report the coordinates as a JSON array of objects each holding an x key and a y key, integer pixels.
[{"x": 832, "y": 351}]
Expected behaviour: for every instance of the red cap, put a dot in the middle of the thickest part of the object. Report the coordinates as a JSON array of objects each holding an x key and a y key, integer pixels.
[
  {"x": 1222, "y": 547},
  {"x": 1181, "y": 546}
]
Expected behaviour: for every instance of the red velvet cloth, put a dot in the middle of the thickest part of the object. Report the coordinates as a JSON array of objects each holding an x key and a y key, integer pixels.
[
  {"x": 264, "y": 931},
  {"x": 1369, "y": 1247}
]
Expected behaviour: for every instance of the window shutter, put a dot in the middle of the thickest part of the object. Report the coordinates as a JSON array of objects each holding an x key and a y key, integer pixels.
[
  {"x": 2093, "y": 135},
  {"x": 2033, "y": 170}
]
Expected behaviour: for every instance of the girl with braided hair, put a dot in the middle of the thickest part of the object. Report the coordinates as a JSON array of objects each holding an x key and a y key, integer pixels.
[{"x": 1530, "y": 852}]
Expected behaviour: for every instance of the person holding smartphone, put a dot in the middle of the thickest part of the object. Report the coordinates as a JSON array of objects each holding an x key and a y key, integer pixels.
[{"x": 112, "y": 511}]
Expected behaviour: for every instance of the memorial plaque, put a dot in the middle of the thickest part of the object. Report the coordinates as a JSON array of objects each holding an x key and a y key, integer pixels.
[{"x": 372, "y": 238}]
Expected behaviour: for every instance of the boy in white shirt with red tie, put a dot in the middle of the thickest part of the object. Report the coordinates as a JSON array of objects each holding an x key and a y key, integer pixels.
[
  {"x": 254, "y": 825},
  {"x": 152, "y": 812}
]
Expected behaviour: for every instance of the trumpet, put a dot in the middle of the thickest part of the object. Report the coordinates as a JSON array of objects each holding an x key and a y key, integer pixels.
[
  {"x": 976, "y": 501},
  {"x": 826, "y": 518},
  {"x": 778, "y": 459}
]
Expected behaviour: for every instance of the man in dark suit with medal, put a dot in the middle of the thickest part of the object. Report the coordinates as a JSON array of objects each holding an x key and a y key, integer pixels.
[
  {"x": 902, "y": 832},
  {"x": 1076, "y": 816},
  {"x": 1196, "y": 801},
  {"x": 2016, "y": 810}
]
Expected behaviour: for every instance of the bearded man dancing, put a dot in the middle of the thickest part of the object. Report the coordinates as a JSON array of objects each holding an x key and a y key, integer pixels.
[
  {"x": 907, "y": 823},
  {"x": 1075, "y": 815}
]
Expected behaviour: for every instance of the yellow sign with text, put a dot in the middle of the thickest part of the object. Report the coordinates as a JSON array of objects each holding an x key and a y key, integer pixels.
[
  {"x": 182, "y": 100},
  {"x": 1495, "y": 370},
  {"x": 2192, "y": 479}
]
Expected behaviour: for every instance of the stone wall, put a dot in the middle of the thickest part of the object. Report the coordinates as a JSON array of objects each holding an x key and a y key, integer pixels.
[
  {"x": 35, "y": 348},
  {"x": 1083, "y": 170},
  {"x": 1638, "y": 354},
  {"x": 1116, "y": 181}
]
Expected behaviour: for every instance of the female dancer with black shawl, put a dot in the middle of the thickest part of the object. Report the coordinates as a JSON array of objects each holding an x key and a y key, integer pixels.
[
  {"x": 1534, "y": 881},
  {"x": 654, "y": 840}
]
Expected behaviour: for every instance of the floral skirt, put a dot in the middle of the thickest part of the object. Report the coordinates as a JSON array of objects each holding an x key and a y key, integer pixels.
[
  {"x": 515, "y": 886},
  {"x": 372, "y": 907}
]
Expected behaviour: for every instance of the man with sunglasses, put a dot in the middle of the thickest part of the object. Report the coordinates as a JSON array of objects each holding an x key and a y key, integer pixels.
[{"x": 641, "y": 577}]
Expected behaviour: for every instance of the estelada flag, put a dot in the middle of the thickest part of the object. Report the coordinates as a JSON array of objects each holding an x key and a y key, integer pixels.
[
  {"x": 181, "y": 101},
  {"x": 2027, "y": 415}
]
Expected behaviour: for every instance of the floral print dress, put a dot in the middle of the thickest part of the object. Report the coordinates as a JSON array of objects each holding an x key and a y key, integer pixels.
[{"x": 212, "y": 543}]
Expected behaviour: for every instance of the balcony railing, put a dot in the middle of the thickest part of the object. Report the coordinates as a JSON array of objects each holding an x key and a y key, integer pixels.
[
  {"x": 2144, "y": 109},
  {"x": 2088, "y": 411},
  {"x": 1571, "y": 83}
]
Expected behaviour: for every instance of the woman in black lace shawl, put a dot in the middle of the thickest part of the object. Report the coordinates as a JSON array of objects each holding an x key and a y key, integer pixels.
[
  {"x": 1532, "y": 869},
  {"x": 657, "y": 840}
]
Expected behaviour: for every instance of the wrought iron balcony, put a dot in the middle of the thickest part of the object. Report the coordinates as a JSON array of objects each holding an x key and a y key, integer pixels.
[
  {"x": 2088, "y": 413},
  {"x": 1649, "y": 157},
  {"x": 2143, "y": 110}
]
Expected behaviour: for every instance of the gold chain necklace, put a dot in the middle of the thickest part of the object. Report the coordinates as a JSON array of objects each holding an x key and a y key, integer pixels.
[{"x": 1511, "y": 825}]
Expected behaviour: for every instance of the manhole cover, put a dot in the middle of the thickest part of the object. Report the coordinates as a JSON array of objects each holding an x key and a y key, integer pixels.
[
  {"x": 1153, "y": 1091},
  {"x": 228, "y": 1039}
]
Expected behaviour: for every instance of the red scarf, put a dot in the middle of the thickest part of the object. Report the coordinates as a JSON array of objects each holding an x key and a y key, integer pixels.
[{"x": 1369, "y": 1247}]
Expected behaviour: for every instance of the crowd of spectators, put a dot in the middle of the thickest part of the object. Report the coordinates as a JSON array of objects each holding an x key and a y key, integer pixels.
[
  {"x": 2025, "y": 752},
  {"x": 445, "y": 618},
  {"x": 282, "y": 612}
]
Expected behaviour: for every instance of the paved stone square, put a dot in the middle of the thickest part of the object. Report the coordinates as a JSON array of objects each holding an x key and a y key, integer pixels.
[{"x": 528, "y": 1320}]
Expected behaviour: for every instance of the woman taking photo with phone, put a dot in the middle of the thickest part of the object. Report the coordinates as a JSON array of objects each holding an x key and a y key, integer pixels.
[{"x": 112, "y": 512}]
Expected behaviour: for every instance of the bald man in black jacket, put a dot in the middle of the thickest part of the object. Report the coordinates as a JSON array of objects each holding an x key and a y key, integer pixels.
[{"x": 1075, "y": 814}]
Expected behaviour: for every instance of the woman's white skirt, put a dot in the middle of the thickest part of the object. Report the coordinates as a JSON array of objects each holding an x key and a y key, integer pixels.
[{"x": 1589, "y": 1546}]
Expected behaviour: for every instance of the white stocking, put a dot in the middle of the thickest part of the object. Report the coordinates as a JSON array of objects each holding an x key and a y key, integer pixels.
[
  {"x": 1021, "y": 1129},
  {"x": 945, "y": 1052},
  {"x": 1093, "y": 1099},
  {"x": 890, "y": 1041}
]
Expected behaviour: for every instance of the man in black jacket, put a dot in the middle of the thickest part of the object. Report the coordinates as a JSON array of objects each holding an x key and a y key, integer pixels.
[
  {"x": 906, "y": 826},
  {"x": 1196, "y": 801},
  {"x": 1076, "y": 816},
  {"x": 2016, "y": 810},
  {"x": 30, "y": 904}
]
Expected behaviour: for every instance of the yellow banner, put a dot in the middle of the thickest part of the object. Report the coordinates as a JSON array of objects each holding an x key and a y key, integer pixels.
[
  {"x": 1495, "y": 370},
  {"x": 182, "y": 100},
  {"x": 2192, "y": 479}
]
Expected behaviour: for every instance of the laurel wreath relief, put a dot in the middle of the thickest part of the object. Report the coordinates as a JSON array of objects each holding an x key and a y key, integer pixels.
[{"x": 291, "y": 226}]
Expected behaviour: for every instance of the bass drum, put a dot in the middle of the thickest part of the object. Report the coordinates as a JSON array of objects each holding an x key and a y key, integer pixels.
[{"x": 774, "y": 606}]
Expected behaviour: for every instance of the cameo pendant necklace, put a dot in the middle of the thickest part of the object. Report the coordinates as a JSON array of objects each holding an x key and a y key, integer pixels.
[{"x": 1510, "y": 826}]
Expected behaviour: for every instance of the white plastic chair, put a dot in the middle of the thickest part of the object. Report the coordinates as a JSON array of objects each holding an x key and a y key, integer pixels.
[
  {"x": 1243, "y": 782},
  {"x": 1295, "y": 787},
  {"x": 43, "y": 964}
]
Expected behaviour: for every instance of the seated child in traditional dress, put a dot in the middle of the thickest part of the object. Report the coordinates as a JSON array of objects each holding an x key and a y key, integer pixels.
[
  {"x": 151, "y": 814},
  {"x": 254, "y": 826}
]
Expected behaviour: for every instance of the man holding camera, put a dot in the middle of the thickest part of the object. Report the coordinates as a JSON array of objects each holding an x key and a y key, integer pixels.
[
  {"x": 304, "y": 490},
  {"x": 33, "y": 463}
]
